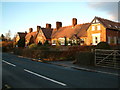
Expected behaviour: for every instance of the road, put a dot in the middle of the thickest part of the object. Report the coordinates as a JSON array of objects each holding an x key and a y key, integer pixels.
[{"x": 21, "y": 72}]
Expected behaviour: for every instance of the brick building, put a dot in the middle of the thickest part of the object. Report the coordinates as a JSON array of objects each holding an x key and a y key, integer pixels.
[
  {"x": 103, "y": 30},
  {"x": 98, "y": 30},
  {"x": 41, "y": 35},
  {"x": 89, "y": 33}
]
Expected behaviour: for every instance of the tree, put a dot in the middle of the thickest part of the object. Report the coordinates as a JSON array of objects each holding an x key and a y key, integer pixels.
[
  {"x": 40, "y": 43},
  {"x": 2, "y": 37},
  {"x": 46, "y": 43},
  {"x": 8, "y": 35}
]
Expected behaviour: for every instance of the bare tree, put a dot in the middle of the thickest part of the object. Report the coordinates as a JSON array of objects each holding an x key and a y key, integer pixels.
[{"x": 8, "y": 35}]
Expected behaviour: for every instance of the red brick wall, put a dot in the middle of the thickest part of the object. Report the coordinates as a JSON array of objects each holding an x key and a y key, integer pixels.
[
  {"x": 102, "y": 32},
  {"x": 112, "y": 34}
]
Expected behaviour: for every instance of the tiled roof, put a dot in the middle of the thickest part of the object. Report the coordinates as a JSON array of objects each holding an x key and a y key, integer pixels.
[
  {"x": 47, "y": 32},
  {"x": 29, "y": 35},
  {"x": 83, "y": 30},
  {"x": 109, "y": 24},
  {"x": 70, "y": 31},
  {"x": 22, "y": 34}
]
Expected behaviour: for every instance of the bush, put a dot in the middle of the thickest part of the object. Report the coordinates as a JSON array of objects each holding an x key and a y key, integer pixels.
[
  {"x": 6, "y": 45},
  {"x": 46, "y": 43},
  {"x": 84, "y": 58},
  {"x": 103, "y": 45},
  {"x": 39, "y": 44},
  {"x": 43, "y": 48},
  {"x": 32, "y": 45}
]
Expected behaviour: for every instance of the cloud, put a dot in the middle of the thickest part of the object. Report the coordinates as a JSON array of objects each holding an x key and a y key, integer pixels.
[{"x": 111, "y": 8}]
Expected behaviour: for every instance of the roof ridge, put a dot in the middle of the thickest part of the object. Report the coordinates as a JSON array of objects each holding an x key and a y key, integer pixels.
[{"x": 107, "y": 19}]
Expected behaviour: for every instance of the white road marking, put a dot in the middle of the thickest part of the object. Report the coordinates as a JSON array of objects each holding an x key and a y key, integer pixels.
[
  {"x": 45, "y": 77},
  {"x": 8, "y": 63}
]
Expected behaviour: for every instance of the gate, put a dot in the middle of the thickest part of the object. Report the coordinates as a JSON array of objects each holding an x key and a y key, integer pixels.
[{"x": 107, "y": 58}]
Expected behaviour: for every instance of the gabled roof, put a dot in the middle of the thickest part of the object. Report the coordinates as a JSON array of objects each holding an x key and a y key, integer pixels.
[
  {"x": 29, "y": 35},
  {"x": 69, "y": 31},
  {"x": 22, "y": 34},
  {"x": 108, "y": 23},
  {"x": 47, "y": 32},
  {"x": 83, "y": 30}
]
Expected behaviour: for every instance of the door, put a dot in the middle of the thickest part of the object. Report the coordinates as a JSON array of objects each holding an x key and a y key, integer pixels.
[{"x": 95, "y": 38}]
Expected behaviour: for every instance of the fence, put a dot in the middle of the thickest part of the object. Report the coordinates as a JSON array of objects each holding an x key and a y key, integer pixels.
[{"x": 107, "y": 58}]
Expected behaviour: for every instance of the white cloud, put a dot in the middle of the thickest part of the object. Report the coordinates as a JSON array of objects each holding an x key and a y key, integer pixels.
[{"x": 111, "y": 8}]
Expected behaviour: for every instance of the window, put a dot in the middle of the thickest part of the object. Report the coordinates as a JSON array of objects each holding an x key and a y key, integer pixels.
[
  {"x": 93, "y": 27},
  {"x": 82, "y": 41},
  {"x": 53, "y": 42},
  {"x": 96, "y": 40},
  {"x": 119, "y": 40},
  {"x": 115, "y": 40},
  {"x": 109, "y": 40},
  {"x": 98, "y": 27},
  {"x": 62, "y": 41}
]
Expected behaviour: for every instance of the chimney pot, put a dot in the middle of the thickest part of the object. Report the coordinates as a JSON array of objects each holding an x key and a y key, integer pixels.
[
  {"x": 74, "y": 21},
  {"x": 38, "y": 28},
  {"x": 58, "y": 25},
  {"x": 30, "y": 30},
  {"x": 48, "y": 25}
]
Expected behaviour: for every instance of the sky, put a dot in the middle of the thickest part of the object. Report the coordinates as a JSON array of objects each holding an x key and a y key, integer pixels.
[{"x": 20, "y": 16}]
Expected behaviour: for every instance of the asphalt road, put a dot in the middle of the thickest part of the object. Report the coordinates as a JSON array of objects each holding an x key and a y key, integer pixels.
[{"x": 20, "y": 72}]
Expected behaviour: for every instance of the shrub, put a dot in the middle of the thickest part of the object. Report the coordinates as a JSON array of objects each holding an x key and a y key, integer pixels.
[
  {"x": 43, "y": 47},
  {"x": 46, "y": 43},
  {"x": 103, "y": 45},
  {"x": 39, "y": 44},
  {"x": 84, "y": 58},
  {"x": 32, "y": 45},
  {"x": 6, "y": 45}
]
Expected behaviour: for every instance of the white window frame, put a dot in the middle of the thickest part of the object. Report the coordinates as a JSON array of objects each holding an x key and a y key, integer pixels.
[
  {"x": 93, "y": 28},
  {"x": 94, "y": 40},
  {"x": 62, "y": 41},
  {"x": 98, "y": 27},
  {"x": 53, "y": 42}
]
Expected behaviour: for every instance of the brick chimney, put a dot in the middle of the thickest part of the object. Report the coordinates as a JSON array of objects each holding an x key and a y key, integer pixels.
[
  {"x": 58, "y": 25},
  {"x": 30, "y": 30},
  {"x": 74, "y": 21},
  {"x": 38, "y": 28},
  {"x": 48, "y": 26}
]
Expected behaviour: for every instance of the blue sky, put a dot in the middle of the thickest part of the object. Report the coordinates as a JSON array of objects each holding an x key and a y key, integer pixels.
[{"x": 20, "y": 16}]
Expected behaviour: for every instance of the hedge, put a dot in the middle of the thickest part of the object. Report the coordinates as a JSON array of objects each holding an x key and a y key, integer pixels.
[
  {"x": 84, "y": 58},
  {"x": 49, "y": 55}
]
